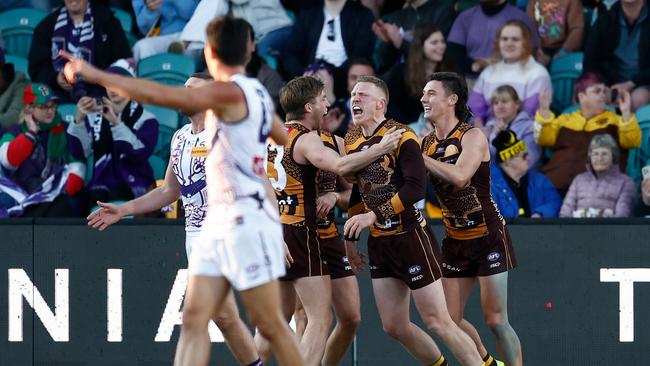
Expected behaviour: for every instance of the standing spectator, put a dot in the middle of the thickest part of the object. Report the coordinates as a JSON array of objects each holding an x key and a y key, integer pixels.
[
  {"x": 36, "y": 172},
  {"x": 12, "y": 85},
  {"x": 518, "y": 191},
  {"x": 406, "y": 79},
  {"x": 560, "y": 25},
  {"x": 120, "y": 135},
  {"x": 473, "y": 34},
  {"x": 508, "y": 116},
  {"x": 569, "y": 134},
  {"x": 514, "y": 65},
  {"x": 618, "y": 47},
  {"x": 397, "y": 29},
  {"x": 161, "y": 21},
  {"x": 89, "y": 31},
  {"x": 601, "y": 191},
  {"x": 335, "y": 32}
]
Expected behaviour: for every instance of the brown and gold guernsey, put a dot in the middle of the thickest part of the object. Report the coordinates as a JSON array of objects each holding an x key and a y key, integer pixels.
[
  {"x": 327, "y": 183},
  {"x": 470, "y": 212},
  {"x": 391, "y": 185},
  {"x": 294, "y": 184}
]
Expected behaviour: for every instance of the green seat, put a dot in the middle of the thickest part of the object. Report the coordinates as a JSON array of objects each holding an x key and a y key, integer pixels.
[
  {"x": 167, "y": 68},
  {"x": 127, "y": 24},
  {"x": 67, "y": 111},
  {"x": 17, "y": 27},
  {"x": 20, "y": 63},
  {"x": 640, "y": 157},
  {"x": 564, "y": 72},
  {"x": 165, "y": 116},
  {"x": 165, "y": 135},
  {"x": 159, "y": 166}
]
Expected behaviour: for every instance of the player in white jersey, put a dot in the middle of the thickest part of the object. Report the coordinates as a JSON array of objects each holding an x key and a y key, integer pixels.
[
  {"x": 243, "y": 245},
  {"x": 185, "y": 178}
]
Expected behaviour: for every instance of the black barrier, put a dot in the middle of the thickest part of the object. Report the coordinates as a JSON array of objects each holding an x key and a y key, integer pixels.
[{"x": 579, "y": 297}]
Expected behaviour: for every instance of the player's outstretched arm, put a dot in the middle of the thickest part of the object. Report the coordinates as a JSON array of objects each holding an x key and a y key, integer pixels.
[
  {"x": 474, "y": 150},
  {"x": 108, "y": 214},
  {"x": 211, "y": 96}
]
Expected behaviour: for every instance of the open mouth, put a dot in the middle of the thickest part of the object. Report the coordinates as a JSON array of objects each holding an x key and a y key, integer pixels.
[
  {"x": 356, "y": 110},
  {"x": 426, "y": 108}
]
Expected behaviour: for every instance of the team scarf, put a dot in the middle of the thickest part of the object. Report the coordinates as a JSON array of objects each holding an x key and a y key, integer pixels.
[
  {"x": 79, "y": 41},
  {"x": 101, "y": 129}
]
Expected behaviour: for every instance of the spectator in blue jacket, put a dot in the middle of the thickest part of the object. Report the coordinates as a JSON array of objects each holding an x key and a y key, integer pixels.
[{"x": 517, "y": 191}]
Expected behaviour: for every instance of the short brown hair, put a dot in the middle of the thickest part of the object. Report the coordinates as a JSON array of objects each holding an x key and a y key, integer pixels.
[
  {"x": 526, "y": 36},
  {"x": 298, "y": 92},
  {"x": 228, "y": 37},
  {"x": 376, "y": 82}
]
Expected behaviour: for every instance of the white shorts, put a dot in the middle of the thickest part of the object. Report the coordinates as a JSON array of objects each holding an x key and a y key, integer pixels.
[{"x": 247, "y": 250}]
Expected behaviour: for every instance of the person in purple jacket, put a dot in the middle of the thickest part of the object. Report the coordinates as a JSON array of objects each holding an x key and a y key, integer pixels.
[
  {"x": 120, "y": 136},
  {"x": 601, "y": 191}
]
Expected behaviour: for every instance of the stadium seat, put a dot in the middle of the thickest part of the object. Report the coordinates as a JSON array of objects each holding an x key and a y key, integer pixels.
[
  {"x": 158, "y": 165},
  {"x": 127, "y": 24},
  {"x": 165, "y": 116},
  {"x": 638, "y": 158},
  {"x": 167, "y": 68},
  {"x": 67, "y": 111},
  {"x": 165, "y": 135},
  {"x": 20, "y": 64},
  {"x": 564, "y": 71},
  {"x": 17, "y": 27}
]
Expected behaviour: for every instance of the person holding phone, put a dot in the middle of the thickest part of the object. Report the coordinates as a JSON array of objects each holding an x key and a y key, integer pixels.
[{"x": 120, "y": 136}]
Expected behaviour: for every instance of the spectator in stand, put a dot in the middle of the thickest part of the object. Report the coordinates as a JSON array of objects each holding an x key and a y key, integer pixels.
[
  {"x": 508, "y": 116},
  {"x": 518, "y": 191},
  {"x": 12, "y": 85},
  {"x": 513, "y": 64},
  {"x": 473, "y": 34},
  {"x": 335, "y": 32},
  {"x": 601, "y": 191},
  {"x": 36, "y": 172},
  {"x": 272, "y": 81},
  {"x": 396, "y": 30},
  {"x": 569, "y": 134},
  {"x": 643, "y": 207},
  {"x": 560, "y": 25},
  {"x": 121, "y": 136},
  {"x": 161, "y": 21},
  {"x": 618, "y": 47},
  {"x": 89, "y": 31},
  {"x": 405, "y": 80}
]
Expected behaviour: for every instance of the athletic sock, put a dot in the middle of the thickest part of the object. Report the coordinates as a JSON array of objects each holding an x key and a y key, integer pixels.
[
  {"x": 441, "y": 362},
  {"x": 488, "y": 360},
  {"x": 257, "y": 362}
]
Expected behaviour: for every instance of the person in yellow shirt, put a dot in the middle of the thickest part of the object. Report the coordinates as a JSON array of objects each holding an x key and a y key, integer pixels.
[{"x": 569, "y": 134}]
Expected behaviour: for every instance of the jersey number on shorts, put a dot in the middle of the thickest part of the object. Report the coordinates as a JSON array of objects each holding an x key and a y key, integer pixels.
[{"x": 281, "y": 183}]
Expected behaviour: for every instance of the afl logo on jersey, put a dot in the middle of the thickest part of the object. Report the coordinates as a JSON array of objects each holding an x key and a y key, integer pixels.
[
  {"x": 493, "y": 256},
  {"x": 415, "y": 269},
  {"x": 199, "y": 152}
]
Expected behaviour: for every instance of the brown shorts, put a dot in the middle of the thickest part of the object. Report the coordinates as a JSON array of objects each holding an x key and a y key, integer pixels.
[
  {"x": 412, "y": 257},
  {"x": 337, "y": 261},
  {"x": 305, "y": 248},
  {"x": 484, "y": 256}
]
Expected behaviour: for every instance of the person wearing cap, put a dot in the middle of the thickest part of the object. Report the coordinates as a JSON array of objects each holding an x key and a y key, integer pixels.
[
  {"x": 120, "y": 136},
  {"x": 36, "y": 171},
  {"x": 518, "y": 191},
  {"x": 12, "y": 84},
  {"x": 569, "y": 134}
]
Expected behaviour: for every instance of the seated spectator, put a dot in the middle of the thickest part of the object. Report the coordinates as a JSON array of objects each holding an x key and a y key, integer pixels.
[
  {"x": 601, "y": 191},
  {"x": 617, "y": 47},
  {"x": 121, "y": 136},
  {"x": 161, "y": 22},
  {"x": 643, "y": 208},
  {"x": 36, "y": 172},
  {"x": 514, "y": 65},
  {"x": 560, "y": 25},
  {"x": 337, "y": 31},
  {"x": 508, "y": 116},
  {"x": 89, "y": 31},
  {"x": 569, "y": 134},
  {"x": 12, "y": 85},
  {"x": 474, "y": 32},
  {"x": 405, "y": 80},
  {"x": 518, "y": 191},
  {"x": 396, "y": 30}
]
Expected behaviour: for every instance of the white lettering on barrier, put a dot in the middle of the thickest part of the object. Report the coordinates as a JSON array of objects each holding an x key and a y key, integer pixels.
[
  {"x": 114, "y": 304},
  {"x": 626, "y": 277},
  {"x": 56, "y": 323}
]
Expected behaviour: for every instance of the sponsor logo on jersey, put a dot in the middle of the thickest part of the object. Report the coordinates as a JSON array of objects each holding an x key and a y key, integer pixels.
[{"x": 199, "y": 152}]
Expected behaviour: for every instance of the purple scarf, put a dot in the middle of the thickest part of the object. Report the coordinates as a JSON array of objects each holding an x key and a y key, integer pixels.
[{"x": 79, "y": 41}]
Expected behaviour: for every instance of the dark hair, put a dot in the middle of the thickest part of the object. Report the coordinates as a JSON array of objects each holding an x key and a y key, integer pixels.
[
  {"x": 376, "y": 82},
  {"x": 228, "y": 37},
  {"x": 298, "y": 92},
  {"x": 360, "y": 61},
  {"x": 202, "y": 75},
  {"x": 415, "y": 74},
  {"x": 455, "y": 84}
]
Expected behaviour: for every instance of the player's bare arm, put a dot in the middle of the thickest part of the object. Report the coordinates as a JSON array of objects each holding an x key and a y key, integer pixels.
[
  {"x": 475, "y": 150},
  {"x": 278, "y": 135}
]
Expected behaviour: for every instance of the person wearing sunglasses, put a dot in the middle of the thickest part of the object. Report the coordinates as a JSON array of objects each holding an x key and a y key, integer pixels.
[{"x": 518, "y": 191}]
